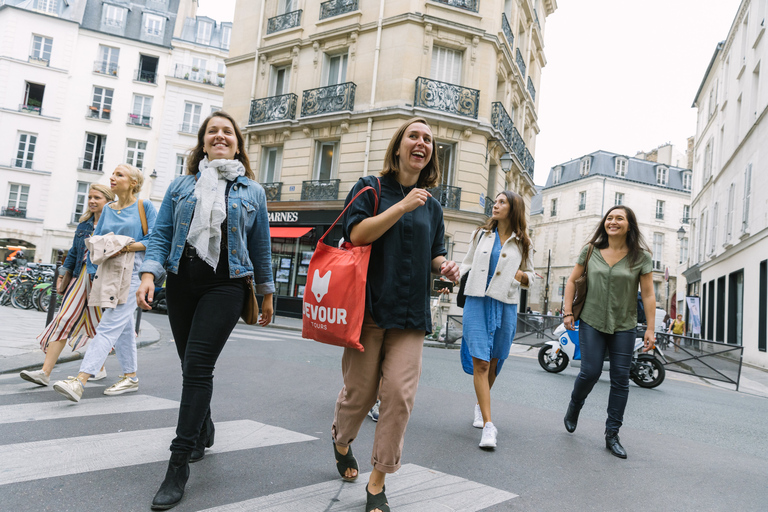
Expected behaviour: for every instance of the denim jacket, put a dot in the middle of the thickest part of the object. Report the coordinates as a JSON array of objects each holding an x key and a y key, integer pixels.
[
  {"x": 74, "y": 259},
  {"x": 248, "y": 241}
]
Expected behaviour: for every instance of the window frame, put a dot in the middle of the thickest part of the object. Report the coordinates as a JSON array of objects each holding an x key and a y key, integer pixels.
[
  {"x": 557, "y": 174},
  {"x": 746, "y": 198},
  {"x": 683, "y": 250},
  {"x": 657, "y": 255},
  {"x": 193, "y": 127},
  {"x": 78, "y": 196},
  {"x": 22, "y": 190},
  {"x": 341, "y": 71},
  {"x": 660, "y": 205},
  {"x": 317, "y": 166},
  {"x": 100, "y": 104},
  {"x": 203, "y": 32},
  {"x": 553, "y": 207},
  {"x": 447, "y": 166},
  {"x": 136, "y": 155},
  {"x": 686, "y": 214},
  {"x": 277, "y": 164},
  {"x": 662, "y": 175},
  {"x": 108, "y": 17},
  {"x": 97, "y": 152},
  {"x": 443, "y": 71},
  {"x": 274, "y": 79},
  {"x": 618, "y": 199},
  {"x": 27, "y": 152},
  {"x": 585, "y": 166},
  {"x": 687, "y": 181},
  {"x": 181, "y": 165},
  {"x": 620, "y": 166},
  {"x": 582, "y": 200},
  {"x": 153, "y": 25},
  {"x": 41, "y": 48}
]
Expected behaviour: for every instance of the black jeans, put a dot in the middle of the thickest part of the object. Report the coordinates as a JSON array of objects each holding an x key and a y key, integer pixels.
[
  {"x": 620, "y": 346},
  {"x": 203, "y": 308}
]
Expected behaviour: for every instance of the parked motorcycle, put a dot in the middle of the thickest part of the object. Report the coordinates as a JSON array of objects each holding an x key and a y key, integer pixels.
[{"x": 645, "y": 370}]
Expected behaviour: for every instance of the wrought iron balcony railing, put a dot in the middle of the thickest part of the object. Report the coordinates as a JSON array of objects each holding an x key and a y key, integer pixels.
[
  {"x": 202, "y": 76},
  {"x": 447, "y": 97},
  {"x": 333, "y": 8},
  {"x": 105, "y": 68},
  {"x": 274, "y": 108},
  {"x": 12, "y": 211},
  {"x": 39, "y": 60},
  {"x": 139, "y": 120},
  {"x": 502, "y": 122},
  {"x": 273, "y": 190},
  {"x": 520, "y": 61},
  {"x": 149, "y": 77},
  {"x": 21, "y": 163},
  {"x": 528, "y": 162},
  {"x": 531, "y": 89},
  {"x": 320, "y": 190},
  {"x": 488, "y": 206},
  {"x": 30, "y": 109},
  {"x": 189, "y": 128},
  {"x": 284, "y": 22},
  {"x": 447, "y": 196},
  {"x": 333, "y": 98},
  {"x": 469, "y": 5},
  {"x": 518, "y": 146},
  {"x": 95, "y": 113},
  {"x": 507, "y": 31}
]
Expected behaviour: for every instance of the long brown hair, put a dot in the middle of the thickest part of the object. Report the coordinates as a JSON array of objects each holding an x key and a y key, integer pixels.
[
  {"x": 516, "y": 220},
  {"x": 196, "y": 154},
  {"x": 635, "y": 240},
  {"x": 430, "y": 174},
  {"x": 101, "y": 189}
]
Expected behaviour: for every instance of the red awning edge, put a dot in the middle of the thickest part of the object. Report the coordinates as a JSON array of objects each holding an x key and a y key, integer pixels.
[{"x": 288, "y": 232}]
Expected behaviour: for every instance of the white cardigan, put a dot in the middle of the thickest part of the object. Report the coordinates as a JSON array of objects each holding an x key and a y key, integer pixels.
[{"x": 503, "y": 286}]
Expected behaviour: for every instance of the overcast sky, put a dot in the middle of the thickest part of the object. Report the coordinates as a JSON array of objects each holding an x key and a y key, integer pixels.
[{"x": 621, "y": 75}]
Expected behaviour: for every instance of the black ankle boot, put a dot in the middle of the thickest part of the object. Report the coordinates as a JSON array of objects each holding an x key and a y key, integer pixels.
[
  {"x": 172, "y": 489},
  {"x": 204, "y": 440},
  {"x": 613, "y": 444},
  {"x": 571, "y": 417}
]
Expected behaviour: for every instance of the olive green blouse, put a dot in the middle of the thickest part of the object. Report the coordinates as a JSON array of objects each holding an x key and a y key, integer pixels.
[{"x": 611, "y": 303}]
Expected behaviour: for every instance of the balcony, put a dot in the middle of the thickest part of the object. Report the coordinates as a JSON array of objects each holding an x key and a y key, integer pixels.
[
  {"x": 189, "y": 128},
  {"x": 502, "y": 122},
  {"x": 450, "y": 98},
  {"x": 103, "y": 67},
  {"x": 12, "y": 211},
  {"x": 21, "y": 163},
  {"x": 274, "y": 108},
  {"x": 447, "y": 196},
  {"x": 520, "y": 61},
  {"x": 94, "y": 112},
  {"x": 139, "y": 120},
  {"x": 528, "y": 162},
  {"x": 467, "y": 5},
  {"x": 531, "y": 89},
  {"x": 333, "y": 8},
  {"x": 284, "y": 22},
  {"x": 89, "y": 165},
  {"x": 273, "y": 190},
  {"x": 202, "y": 76},
  {"x": 31, "y": 109},
  {"x": 333, "y": 98},
  {"x": 148, "y": 77},
  {"x": 320, "y": 190},
  {"x": 39, "y": 60},
  {"x": 507, "y": 31}
]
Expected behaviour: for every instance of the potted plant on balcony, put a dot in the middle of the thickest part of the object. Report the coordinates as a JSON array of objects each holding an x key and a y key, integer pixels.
[
  {"x": 186, "y": 76},
  {"x": 195, "y": 69},
  {"x": 221, "y": 75}
]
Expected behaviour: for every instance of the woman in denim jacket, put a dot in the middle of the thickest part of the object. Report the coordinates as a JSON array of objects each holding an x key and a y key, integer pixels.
[{"x": 211, "y": 233}]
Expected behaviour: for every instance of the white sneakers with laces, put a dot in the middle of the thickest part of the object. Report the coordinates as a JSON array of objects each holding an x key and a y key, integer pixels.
[
  {"x": 478, "y": 422},
  {"x": 37, "y": 376},
  {"x": 101, "y": 375},
  {"x": 489, "y": 436}
]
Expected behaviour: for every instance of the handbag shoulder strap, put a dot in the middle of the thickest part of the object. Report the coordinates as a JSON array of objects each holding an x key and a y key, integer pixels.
[
  {"x": 143, "y": 216},
  {"x": 364, "y": 189},
  {"x": 586, "y": 260}
]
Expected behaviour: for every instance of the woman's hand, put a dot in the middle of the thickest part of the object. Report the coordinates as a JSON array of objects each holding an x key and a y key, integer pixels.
[
  {"x": 146, "y": 291},
  {"x": 569, "y": 322},
  {"x": 649, "y": 340},
  {"x": 266, "y": 310},
  {"x": 124, "y": 250},
  {"x": 450, "y": 269},
  {"x": 415, "y": 198},
  {"x": 62, "y": 283}
]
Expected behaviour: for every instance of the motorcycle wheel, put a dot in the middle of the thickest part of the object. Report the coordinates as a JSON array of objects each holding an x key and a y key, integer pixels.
[
  {"x": 648, "y": 371},
  {"x": 546, "y": 362}
]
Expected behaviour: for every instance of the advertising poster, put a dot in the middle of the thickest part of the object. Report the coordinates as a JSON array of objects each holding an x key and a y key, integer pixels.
[{"x": 694, "y": 315}]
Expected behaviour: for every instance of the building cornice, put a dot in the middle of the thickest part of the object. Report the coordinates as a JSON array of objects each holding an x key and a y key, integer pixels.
[
  {"x": 33, "y": 64},
  {"x": 598, "y": 177},
  {"x": 736, "y": 22}
]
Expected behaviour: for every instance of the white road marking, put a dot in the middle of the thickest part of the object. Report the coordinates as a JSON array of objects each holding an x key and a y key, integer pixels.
[
  {"x": 63, "y": 408},
  {"x": 23, "y": 386}
]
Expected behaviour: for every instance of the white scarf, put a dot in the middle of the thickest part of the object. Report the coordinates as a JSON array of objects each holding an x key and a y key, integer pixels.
[{"x": 211, "y": 209}]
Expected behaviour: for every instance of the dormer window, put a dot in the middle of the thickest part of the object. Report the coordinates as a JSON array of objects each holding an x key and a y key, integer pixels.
[
  {"x": 153, "y": 25},
  {"x": 687, "y": 180},
  {"x": 226, "y": 35},
  {"x": 557, "y": 173},
  {"x": 114, "y": 16},
  {"x": 621, "y": 167},
  {"x": 48, "y": 6},
  {"x": 584, "y": 170},
  {"x": 204, "y": 29},
  {"x": 662, "y": 173}
]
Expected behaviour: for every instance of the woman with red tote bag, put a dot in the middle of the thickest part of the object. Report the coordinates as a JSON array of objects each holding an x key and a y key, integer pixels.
[{"x": 407, "y": 248}]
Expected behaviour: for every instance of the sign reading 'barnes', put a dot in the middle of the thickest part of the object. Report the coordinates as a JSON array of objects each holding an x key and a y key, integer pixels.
[{"x": 283, "y": 217}]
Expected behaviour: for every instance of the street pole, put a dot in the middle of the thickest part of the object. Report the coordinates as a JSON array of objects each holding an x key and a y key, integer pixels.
[
  {"x": 54, "y": 295},
  {"x": 562, "y": 297},
  {"x": 546, "y": 286}
]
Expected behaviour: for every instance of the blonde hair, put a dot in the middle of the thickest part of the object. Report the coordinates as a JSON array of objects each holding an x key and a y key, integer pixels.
[
  {"x": 135, "y": 174},
  {"x": 103, "y": 190}
]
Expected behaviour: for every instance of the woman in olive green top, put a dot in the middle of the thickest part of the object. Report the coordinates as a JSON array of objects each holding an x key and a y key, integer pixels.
[{"x": 619, "y": 262}]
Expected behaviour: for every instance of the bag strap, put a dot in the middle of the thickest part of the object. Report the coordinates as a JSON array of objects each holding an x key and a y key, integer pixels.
[
  {"x": 143, "y": 216},
  {"x": 364, "y": 189},
  {"x": 586, "y": 260}
]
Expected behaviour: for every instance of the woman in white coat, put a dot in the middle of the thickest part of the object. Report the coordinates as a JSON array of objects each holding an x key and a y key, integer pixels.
[{"x": 499, "y": 262}]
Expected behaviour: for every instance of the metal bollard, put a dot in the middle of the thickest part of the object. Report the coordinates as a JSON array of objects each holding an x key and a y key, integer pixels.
[{"x": 54, "y": 292}]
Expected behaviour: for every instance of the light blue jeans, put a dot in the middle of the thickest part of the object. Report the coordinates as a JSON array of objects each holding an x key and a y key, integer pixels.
[{"x": 116, "y": 330}]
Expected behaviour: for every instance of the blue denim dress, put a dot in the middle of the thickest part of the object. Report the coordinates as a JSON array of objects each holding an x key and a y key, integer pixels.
[{"x": 489, "y": 324}]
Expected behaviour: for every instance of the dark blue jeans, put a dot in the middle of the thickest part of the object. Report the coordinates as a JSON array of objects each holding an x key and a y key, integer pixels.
[
  {"x": 203, "y": 308},
  {"x": 593, "y": 344}
]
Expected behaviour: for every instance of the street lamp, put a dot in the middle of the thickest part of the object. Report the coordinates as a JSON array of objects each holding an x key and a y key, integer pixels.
[
  {"x": 506, "y": 162},
  {"x": 681, "y": 233}
]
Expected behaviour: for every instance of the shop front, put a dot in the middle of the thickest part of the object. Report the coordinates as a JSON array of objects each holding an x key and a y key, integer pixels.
[{"x": 294, "y": 237}]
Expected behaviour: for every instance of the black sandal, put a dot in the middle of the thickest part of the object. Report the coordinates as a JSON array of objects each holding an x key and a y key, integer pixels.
[
  {"x": 345, "y": 462},
  {"x": 376, "y": 501}
]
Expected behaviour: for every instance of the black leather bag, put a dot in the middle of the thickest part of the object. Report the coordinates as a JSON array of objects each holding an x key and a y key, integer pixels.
[{"x": 460, "y": 297}]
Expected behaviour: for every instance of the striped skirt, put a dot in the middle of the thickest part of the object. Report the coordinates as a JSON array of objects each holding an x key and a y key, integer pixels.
[{"x": 75, "y": 321}]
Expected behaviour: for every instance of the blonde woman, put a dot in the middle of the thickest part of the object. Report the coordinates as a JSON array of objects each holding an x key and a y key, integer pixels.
[
  {"x": 121, "y": 217},
  {"x": 75, "y": 321}
]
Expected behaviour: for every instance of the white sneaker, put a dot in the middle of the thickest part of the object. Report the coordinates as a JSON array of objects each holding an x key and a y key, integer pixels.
[
  {"x": 37, "y": 376},
  {"x": 124, "y": 385},
  {"x": 489, "y": 436},
  {"x": 71, "y": 388},
  {"x": 101, "y": 375},
  {"x": 478, "y": 423}
]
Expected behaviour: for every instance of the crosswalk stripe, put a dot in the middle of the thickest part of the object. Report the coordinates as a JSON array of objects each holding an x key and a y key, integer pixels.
[
  {"x": 259, "y": 336},
  {"x": 63, "y": 408},
  {"x": 21, "y": 462},
  {"x": 28, "y": 387},
  {"x": 412, "y": 489}
]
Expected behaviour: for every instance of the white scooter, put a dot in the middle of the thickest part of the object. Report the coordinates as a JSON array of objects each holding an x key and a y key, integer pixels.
[{"x": 645, "y": 370}]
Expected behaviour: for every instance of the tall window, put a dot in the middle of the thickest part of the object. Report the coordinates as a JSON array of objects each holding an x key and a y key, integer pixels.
[
  {"x": 113, "y": 16},
  {"x": 553, "y": 208},
  {"x": 26, "y": 150},
  {"x": 286, "y": 6},
  {"x": 93, "y": 157},
  {"x": 198, "y": 69},
  {"x": 747, "y": 196},
  {"x": 621, "y": 167},
  {"x": 279, "y": 80},
  {"x": 337, "y": 69},
  {"x": 142, "y": 110},
  {"x": 446, "y": 65},
  {"x": 81, "y": 200},
  {"x": 326, "y": 160},
  {"x": 147, "y": 69},
  {"x": 729, "y": 215},
  {"x": 48, "y": 6},
  {"x": 708, "y": 160},
  {"x": 271, "y": 162},
  {"x": 33, "y": 98},
  {"x": 18, "y": 196},
  {"x": 619, "y": 198},
  {"x": 658, "y": 249},
  {"x": 687, "y": 181},
  {"x": 557, "y": 174},
  {"x": 582, "y": 200},
  {"x": 153, "y": 25},
  {"x": 702, "y": 238},
  {"x": 661, "y": 175},
  {"x": 659, "y": 210},
  {"x": 226, "y": 35},
  {"x": 204, "y": 29},
  {"x": 446, "y": 155},
  {"x": 191, "y": 117},
  {"x": 101, "y": 106},
  {"x": 713, "y": 232},
  {"x": 107, "y": 65},
  {"x": 181, "y": 165},
  {"x": 683, "y": 250},
  {"x": 134, "y": 153},
  {"x": 584, "y": 169},
  {"x": 686, "y": 214},
  {"x": 41, "y": 48}
]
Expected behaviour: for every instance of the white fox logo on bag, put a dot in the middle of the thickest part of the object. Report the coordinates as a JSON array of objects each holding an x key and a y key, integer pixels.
[{"x": 320, "y": 284}]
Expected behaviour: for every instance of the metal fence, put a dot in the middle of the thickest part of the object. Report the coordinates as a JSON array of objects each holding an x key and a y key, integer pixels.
[
  {"x": 532, "y": 329},
  {"x": 701, "y": 358}
]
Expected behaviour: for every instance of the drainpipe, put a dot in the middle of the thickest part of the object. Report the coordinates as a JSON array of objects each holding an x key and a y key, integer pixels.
[
  {"x": 602, "y": 201},
  {"x": 373, "y": 87},
  {"x": 255, "y": 68}
]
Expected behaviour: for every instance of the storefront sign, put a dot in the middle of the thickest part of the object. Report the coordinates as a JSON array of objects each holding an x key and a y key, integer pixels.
[
  {"x": 303, "y": 217},
  {"x": 283, "y": 217}
]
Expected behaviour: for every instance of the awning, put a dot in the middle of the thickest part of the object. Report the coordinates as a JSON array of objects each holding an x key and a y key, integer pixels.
[{"x": 288, "y": 232}]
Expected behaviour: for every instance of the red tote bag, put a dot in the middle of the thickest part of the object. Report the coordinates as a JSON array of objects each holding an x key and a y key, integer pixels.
[{"x": 334, "y": 296}]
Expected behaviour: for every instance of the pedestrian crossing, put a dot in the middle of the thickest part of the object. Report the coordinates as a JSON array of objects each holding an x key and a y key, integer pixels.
[{"x": 272, "y": 334}]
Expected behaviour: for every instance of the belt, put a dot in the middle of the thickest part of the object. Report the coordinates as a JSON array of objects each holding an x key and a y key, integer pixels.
[{"x": 189, "y": 252}]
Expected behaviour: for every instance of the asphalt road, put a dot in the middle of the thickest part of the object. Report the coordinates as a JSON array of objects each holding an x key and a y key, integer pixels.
[{"x": 691, "y": 447}]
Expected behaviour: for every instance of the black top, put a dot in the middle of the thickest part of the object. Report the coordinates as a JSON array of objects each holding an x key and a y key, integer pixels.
[{"x": 399, "y": 273}]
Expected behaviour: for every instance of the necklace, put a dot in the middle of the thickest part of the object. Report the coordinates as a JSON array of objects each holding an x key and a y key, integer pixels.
[{"x": 401, "y": 189}]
